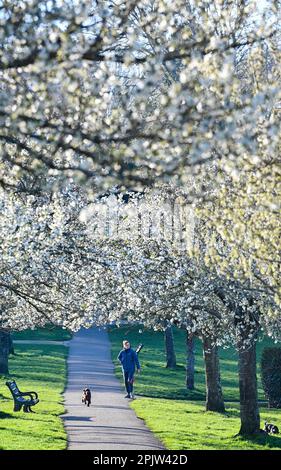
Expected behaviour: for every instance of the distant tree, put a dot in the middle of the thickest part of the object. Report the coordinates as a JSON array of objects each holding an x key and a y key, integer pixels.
[
  {"x": 271, "y": 375},
  {"x": 171, "y": 360},
  {"x": 190, "y": 361}
]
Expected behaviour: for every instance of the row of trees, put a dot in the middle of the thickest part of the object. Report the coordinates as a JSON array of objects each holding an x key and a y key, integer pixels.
[
  {"x": 136, "y": 94},
  {"x": 72, "y": 282},
  {"x": 156, "y": 285}
]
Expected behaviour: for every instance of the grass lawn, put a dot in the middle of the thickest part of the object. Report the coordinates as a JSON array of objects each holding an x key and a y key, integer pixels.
[
  {"x": 49, "y": 333},
  {"x": 176, "y": 415},
  {"x": 186, "y": 425},
  {"x": 42, "y": 369}
]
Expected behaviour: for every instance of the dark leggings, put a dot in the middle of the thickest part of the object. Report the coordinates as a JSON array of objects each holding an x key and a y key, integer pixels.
[{"x": 128, "y": 381}]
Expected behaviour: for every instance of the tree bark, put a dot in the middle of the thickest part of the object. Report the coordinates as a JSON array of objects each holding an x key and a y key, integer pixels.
[
  {"x": 4, "y": 352},
  {"x": 214, "y": 396},
  {"x": 11, "y": 345},
  {"x": 249, "y": 410},
  {"x": 190, "y": 361},
  {"x": 171, "y": 360}
]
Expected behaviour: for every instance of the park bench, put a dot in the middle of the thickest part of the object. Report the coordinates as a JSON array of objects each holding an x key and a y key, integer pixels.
[{"x": 19, "y": 400}]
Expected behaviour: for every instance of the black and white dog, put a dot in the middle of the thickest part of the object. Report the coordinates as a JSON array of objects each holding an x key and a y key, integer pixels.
[
  {"x": 270, "y": 428},
  {"x": 86, "y": 396}
]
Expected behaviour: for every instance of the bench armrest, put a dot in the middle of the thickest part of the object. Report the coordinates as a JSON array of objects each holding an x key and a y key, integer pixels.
[{"x": 30, "y": 394}]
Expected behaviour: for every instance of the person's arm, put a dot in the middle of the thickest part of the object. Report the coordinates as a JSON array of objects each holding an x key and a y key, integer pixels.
[{"x": 119, "y": 356}]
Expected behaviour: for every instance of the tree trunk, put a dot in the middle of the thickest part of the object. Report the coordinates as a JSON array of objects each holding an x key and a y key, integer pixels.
[
  {"x": 190, "y": 361},
  {"x": 249, "y": 410},
  {"x": 11, "y": 345},
  {"x": 171, "y": 360},
  {"x": 4, "y": 352},
  {"x": 214, "y": 396}
]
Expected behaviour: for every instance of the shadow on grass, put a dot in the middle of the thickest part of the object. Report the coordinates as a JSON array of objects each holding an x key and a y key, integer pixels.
[
  {"x": 193, "y": 395},
  {"x": 232, "y": 413},
  {"x": 273, "y": 441},
  {"x": 261, "y": 439},
  {"x": 36, "y": 378},
  {"x": 4, "y": 415}
]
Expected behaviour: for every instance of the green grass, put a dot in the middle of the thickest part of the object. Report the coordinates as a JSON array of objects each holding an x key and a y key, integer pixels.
[
  {"x": 177, "y": 415},
  {"x": 49, "y": 333},
  {"x": 42, "y": 369},
  {"x": 186, "y": 425}
]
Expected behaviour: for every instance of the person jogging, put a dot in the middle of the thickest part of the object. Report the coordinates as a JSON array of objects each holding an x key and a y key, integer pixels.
[{"x": 129, "y": 361}]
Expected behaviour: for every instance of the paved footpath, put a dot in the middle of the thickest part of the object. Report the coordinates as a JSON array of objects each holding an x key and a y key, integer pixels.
[{"x": 109, "y": 423}]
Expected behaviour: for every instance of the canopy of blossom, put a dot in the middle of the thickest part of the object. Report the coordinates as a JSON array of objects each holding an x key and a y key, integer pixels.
[
  {"x": 46, "y": 262},
  {"x": 127, "y": 92},
  {"x": 132, "y": 93},
  {"x": 245, "y": 231},
  {"x": 153, "y": 284}
]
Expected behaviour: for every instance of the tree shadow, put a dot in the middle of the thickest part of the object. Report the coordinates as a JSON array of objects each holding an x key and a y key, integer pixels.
[
  {"x": 232, "y": 413},
  {"x": 4, "y": 415},
  {"x": 273, "y": 441},
  {"x": 182, "y": 394},
  {"x": 77, "y": 418},
  {"x": 262, "y": 439}
]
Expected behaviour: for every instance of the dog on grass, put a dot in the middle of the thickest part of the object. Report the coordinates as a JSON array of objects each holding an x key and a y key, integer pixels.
[
  {"x": 86, "y": 396},
  {"x": 270, "y": 428}
]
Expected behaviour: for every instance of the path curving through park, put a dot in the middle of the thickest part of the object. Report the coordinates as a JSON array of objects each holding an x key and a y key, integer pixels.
[{"x": 109, "y": 423}]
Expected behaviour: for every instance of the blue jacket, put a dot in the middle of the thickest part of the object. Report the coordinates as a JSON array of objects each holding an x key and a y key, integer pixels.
[{"x": 129, "y": 359}]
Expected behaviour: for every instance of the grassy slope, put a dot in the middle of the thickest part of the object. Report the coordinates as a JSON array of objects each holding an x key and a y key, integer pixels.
[
  {"x": 183, "y": 424},
  {"x": 51, "y": 334},
  {"x": 42, "y": 369}
]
